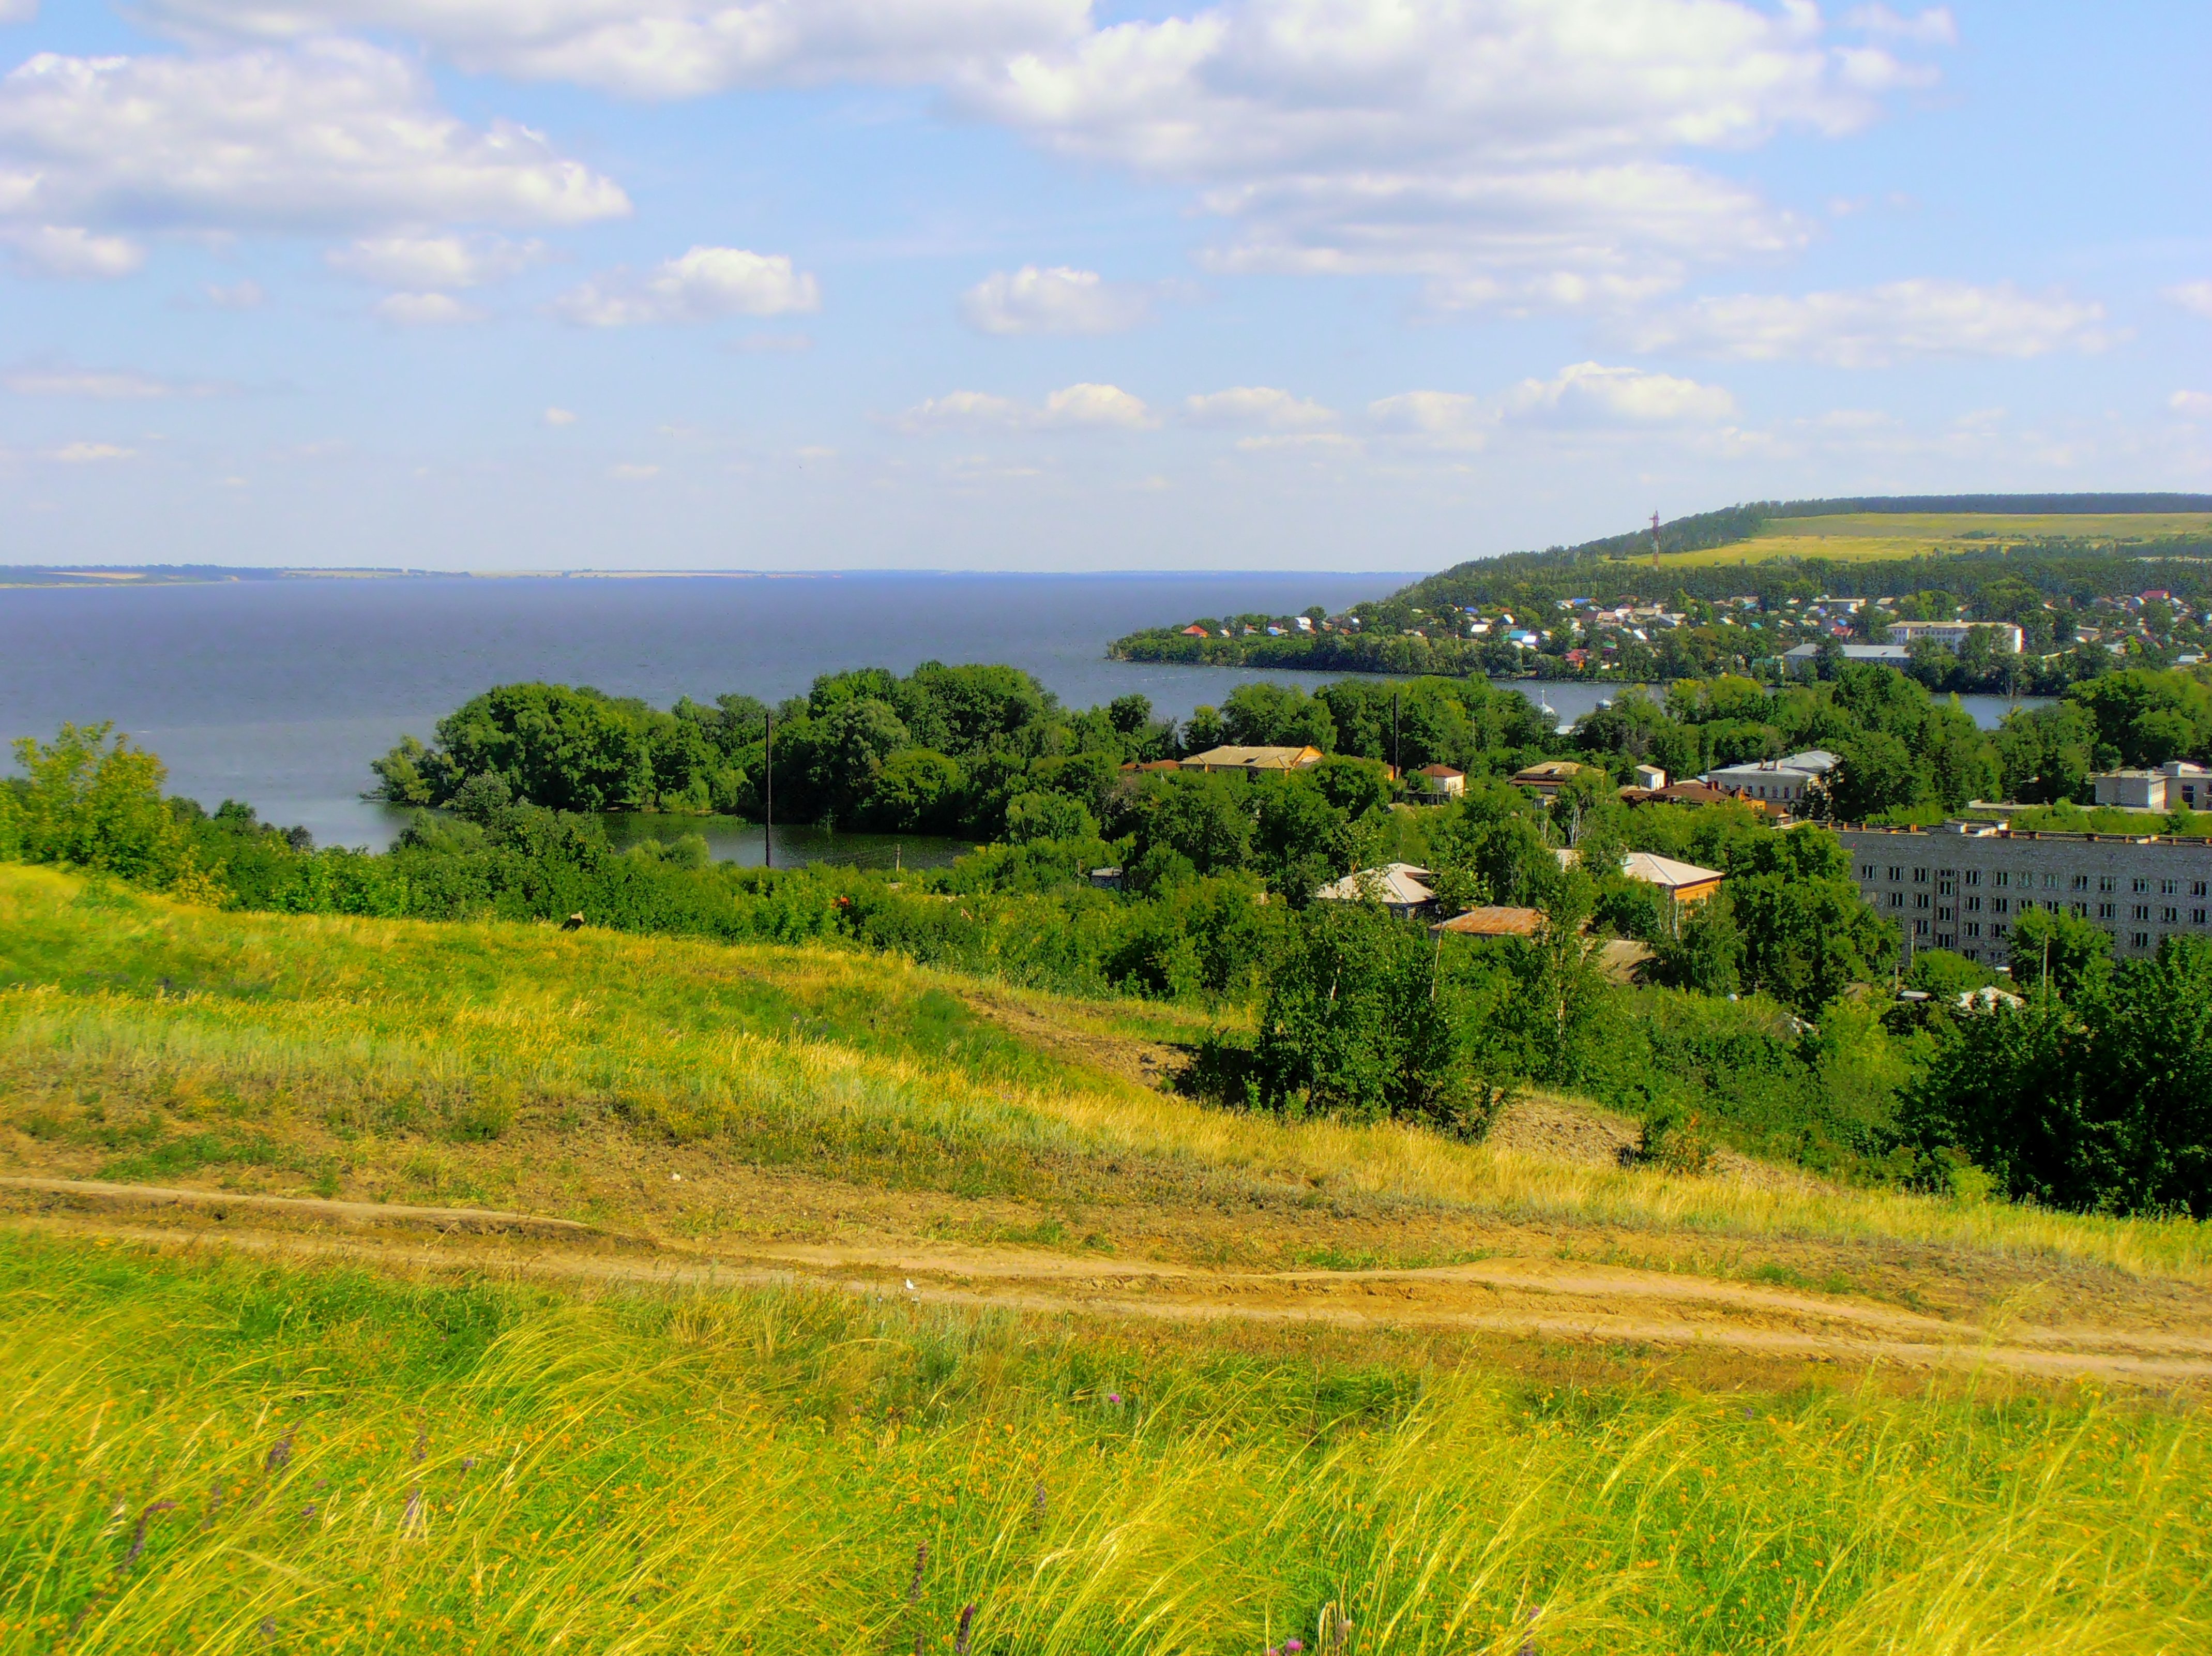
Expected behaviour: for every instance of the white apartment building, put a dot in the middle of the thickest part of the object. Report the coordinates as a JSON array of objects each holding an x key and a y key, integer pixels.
[
  {"x": 1962, "y": 885},
  {"x": 2009, "y": 638}
]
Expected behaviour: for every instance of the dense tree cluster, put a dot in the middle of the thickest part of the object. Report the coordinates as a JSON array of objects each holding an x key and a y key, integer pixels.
[{"x": 1761, "y": 1017}]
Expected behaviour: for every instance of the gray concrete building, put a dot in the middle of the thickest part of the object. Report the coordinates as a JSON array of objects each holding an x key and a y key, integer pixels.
[{"x": 1960, "y": 886}]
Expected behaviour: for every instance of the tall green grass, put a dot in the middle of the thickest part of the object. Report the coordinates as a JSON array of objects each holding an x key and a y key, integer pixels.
[
  {"x": 219, "y": 1456},
  {"x": 163, "y": 1037}
]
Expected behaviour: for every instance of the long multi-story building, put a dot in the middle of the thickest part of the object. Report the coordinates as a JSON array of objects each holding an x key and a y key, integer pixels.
[{"x": 1962, "y": 886}]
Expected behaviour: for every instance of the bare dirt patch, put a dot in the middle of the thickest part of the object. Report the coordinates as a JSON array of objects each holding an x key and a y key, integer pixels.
[{"x": 1556, "y": 1301}]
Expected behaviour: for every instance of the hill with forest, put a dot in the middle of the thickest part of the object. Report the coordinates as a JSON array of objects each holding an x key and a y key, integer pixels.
[{"x": 1734, "y": 590}]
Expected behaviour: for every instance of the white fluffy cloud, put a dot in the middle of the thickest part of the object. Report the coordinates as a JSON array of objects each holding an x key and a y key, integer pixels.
[
  {"x": 1584, "y": 396},
  {"x": 1936, "y": 27},
  {"x": 1867, "y": 327},
  {"x": 1055, "y": 300},
  {"x": 2192, "y": 405},
  {"x": 2194, "y": 297},
  {"x": 68, "y": 250},
  {"x": 442, "y": 262},
  {"x": 1508, "y": 141},
  {"x": 1082, "y": 406},
  {"x": 705, "y": 284},
  {"x": 669, "y": 48},
  {"x": 88, "y": 454},
  {"x": 1264, "y": 408},
  {"x": 336, "y": 134},
  {"x": 426, "y": 310},
  {"x": 18, "y": 11},
  {"x": 1591, "y": 393},
  {"x": 560, "y": 416},
  {"x": 1514, "y": 152}
]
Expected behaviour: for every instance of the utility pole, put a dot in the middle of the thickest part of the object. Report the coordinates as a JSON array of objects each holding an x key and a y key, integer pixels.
[
  {"x": 768, "y": 797},
  {"x": 1395, "y": 764}
]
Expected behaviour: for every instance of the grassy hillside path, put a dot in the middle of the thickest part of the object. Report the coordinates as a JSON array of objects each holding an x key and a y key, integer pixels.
[{"x": 1513, "y": 1298}]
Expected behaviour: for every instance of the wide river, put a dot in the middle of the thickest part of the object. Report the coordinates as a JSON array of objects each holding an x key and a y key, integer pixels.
[{"x": 281, "y": 692}]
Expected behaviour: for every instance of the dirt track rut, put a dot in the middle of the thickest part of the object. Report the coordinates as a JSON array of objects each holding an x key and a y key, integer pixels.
[{"x": 1547, "y": 1298}]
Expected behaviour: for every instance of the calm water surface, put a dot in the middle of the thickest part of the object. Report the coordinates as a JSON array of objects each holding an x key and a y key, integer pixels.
[{"x": 281, "y": 692}]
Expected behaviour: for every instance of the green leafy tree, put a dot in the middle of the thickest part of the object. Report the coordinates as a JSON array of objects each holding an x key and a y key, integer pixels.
[
  {"x": 90, "y": 799},
  {"x": 1354, "y": 1025},
  {"x": 2073, "y": 954}
]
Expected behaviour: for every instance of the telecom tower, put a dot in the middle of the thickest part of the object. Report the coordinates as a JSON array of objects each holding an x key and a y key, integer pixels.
[{"x": 1654, "y": 540}]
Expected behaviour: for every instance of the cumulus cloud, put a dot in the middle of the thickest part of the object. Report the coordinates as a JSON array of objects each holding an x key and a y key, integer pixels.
[
  {"x": 425, "y": 310},
  {"x": 633, "y": 472},
  {"x": 1055, "y": 300},
  {"x": 560, "y": 416},
  {"x": 2192, "y": 405},
  {"x": 88, "y": 454},
  {"x": 335, "y": 133},
  {"x": 69, "y": 250},
  {"x": 1935, "y": 27},
  {"x": 1591, "y": 393},
  {"x": 1585, "y": 396},
  {"x": 705, "y": 284},
  {"x": 444, "y": 262},
  {"x": 18, "y": 11},
  {"x": 1082, "y": 406},
  {"x": 105, "y": 385},
  {"x": 1872, "y": 326},
  {"x": 1256, "y": 407},
  {"x": 2194, "y": 297},
  {"x": 243, "y": 295},
  {"x": 1507, "y": 140},
  {"x": 670, "y": 48},
  {"x": 1495, "y": 147}
]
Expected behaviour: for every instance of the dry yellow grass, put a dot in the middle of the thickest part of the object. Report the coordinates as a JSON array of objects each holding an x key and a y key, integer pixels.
[{"x": 816, "y": 1059}]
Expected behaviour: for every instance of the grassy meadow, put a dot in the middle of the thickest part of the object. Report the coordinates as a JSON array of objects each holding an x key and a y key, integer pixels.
[
  {"x": 214, "y": 1455},
  {"x": 521, "y": 1066},
  {"x": 207, "y": 1449},
  {"x": 1870, "y": 537}
]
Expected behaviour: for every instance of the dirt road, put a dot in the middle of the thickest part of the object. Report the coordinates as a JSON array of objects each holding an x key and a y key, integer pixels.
[{"x": 1553, "y": 1299}]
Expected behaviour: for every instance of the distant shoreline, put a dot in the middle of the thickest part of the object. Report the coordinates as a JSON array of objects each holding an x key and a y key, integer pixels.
[{"x": 127, "y": 577}]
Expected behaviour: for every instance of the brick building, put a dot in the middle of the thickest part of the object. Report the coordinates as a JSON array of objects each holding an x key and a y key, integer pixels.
[{"x": 1961, "y": 886}]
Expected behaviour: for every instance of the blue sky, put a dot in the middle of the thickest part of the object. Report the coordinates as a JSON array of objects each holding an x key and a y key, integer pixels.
[{"x": 1074, "y": 284}]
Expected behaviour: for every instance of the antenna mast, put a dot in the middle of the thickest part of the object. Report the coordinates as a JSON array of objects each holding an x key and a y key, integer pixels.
[{"x": 1654, "y": 540}]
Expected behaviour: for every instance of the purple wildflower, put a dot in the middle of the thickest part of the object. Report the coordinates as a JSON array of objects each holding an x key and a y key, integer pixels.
[
  {"x": 215, "y": 1506},
  {"x": 470, "y": 1464},
  {"x": 1293, "y": 1646},
  {"x": 1113, "y": 1397},
  {"x": 1036, "y": 1503},
  {"x": 268, "y": 1629},
  {"x": 280, "y": 1453},
  {"x": 423, "y": 1444},
  {"x": 921, "y": 1563},
  {"x": 1528, "y": 1639},
  {"x": 960, "y": 1633}
]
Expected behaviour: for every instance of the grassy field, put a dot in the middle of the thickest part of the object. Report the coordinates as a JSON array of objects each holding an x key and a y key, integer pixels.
[
  {"x": 218, "y": 1438},
  {"x": 1862, "y": 537},
  {"x": 572, "y": 1074},
  {"x": 213, "y": 1456}
]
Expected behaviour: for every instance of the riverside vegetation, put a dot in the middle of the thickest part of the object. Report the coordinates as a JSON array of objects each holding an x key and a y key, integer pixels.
[{"x": 324, "y": 1445}]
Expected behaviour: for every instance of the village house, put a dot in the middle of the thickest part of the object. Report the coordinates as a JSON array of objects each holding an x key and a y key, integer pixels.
[
  {"x": 1443, "y": 779},
  {"x": 1547, "y": 778},
  {"x": 1251, "y": 761},
  {"x": 1398, "y": 886}
]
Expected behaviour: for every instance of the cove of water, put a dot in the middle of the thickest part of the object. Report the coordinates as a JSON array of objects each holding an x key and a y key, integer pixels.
[{"x": 279, "y": 693}]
